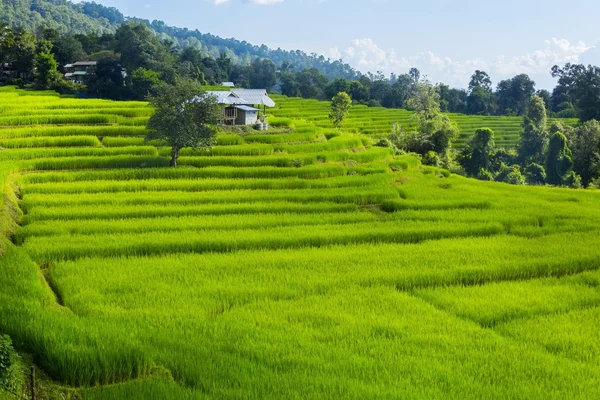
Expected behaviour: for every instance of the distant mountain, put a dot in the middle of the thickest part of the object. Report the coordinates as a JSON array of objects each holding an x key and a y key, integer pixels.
[{"x": 86, "y": 18}]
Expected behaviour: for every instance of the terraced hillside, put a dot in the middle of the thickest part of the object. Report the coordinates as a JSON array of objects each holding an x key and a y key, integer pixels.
[
  {"x": 377, "y": 121},
  {"x": 288, "y": 264}
]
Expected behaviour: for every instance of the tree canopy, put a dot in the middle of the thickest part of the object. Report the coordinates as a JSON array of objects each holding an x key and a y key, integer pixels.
[
  {"x": 340, "y": 107},
  {"x": 184, "y": 117}
]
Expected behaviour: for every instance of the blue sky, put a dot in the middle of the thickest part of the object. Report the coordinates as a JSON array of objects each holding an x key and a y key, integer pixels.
[{"x": 446, "y": 39}]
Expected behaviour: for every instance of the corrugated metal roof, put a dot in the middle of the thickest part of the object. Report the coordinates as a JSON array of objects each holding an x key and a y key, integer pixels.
[
  {"x": 254, "y": 96},
  {"x": 247, "y": 108},
  {"x": 227, "y": 97},
  {"x": 85, "y": 63}
]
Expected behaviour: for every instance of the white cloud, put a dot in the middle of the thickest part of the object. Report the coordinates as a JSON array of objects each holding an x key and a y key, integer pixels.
[{"x": 366, "y": 55}]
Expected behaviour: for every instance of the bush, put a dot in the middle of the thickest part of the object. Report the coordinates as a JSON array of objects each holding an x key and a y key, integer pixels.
[
  {"x": 572, "y": 180},
  {"x": 431, "y": 158},
  {"x": 511, "y": 175},
  {"x": 8, "y": 364},
  {"x": 535, "y": 174},
  {"x": 485, "y": 175},
  {"x": 384, "y": 143}
]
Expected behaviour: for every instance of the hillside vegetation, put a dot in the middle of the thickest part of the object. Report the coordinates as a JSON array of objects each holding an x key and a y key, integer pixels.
[
  {"x": 90, "y": 18},
  {"x": 378, "y": 121},
  {"x": 293, "y": 263}
]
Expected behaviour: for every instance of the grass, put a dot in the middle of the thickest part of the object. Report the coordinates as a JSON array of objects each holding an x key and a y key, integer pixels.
[{"x": 301, "y": 262}]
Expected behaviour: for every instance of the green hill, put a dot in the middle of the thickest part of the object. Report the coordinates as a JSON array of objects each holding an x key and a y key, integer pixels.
[
  {"x": 88, "y": 17},
  {"x": 284, "y": 264}
]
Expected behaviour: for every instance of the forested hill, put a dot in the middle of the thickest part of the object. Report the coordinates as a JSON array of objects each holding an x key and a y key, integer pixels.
[{"x": 86, "y": 18}]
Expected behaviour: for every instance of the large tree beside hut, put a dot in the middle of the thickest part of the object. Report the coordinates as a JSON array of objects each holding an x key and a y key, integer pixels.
[{"x": 184, "y": 117}]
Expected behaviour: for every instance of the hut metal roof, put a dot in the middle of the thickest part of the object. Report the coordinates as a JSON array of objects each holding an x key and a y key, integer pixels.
[{"x": 254, "y": 96}]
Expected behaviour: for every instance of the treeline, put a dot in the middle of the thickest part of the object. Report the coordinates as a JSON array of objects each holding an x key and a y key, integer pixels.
[
  {"x": 576, "y": 95},
  {"x": 90, "y": 18},
  {"x": 129, "y": 62}
]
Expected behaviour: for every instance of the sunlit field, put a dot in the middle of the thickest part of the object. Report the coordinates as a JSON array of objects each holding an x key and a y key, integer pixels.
[
  {"x": 301, "y": 262},
  {"x": 377, "y": 121}
]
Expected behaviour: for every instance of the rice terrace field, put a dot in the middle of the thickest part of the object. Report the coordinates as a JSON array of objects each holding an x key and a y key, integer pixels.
[{"x": 298, "y": 263}]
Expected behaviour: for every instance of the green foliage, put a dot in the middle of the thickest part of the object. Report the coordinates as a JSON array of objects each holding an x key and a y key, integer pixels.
[
  {"x": 434, "y": 128},
  {"x": 572, "y": 180},
  {"x": 143, "y": 81},
  {"x": 535, "y": 174},
  {"x": 184, "y": 117},
  {"x": 510, "y": 174},
  {"x": 46, "y": 69},
  {"x": 477, "y": 155},
  {"x": 8, "y": 364},
  {"x": 558, "y": 159},
  {"x": 534, "y": 140},
  {"x": 341, "y": 104},
  {"x": 514, "y": 94},
  {"x": 585, "y": 143},
  {"x": 263, "y": 74}
]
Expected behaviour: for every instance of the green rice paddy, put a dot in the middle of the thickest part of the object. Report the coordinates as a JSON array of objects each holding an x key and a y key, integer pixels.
[
  {"x": 378, "y": 121},
  {"x": 305, "y": 263}
]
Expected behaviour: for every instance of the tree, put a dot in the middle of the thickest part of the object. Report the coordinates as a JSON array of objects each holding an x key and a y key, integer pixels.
[
  {"x": 585, "y": 144},
  {"x": 67, "y": 50},
  {"x": 398, "y": 93},
  {"x": 184, "y": 117},
  {"x": 477, "y": 154},
  {"x": 510, "y": 174},
  {"x": 23, "y": 52},
  {"x": 559, "y": 159},
  {"x": 140, "y": 47},
  {"x": 142, "y": 81},
  {"x": 433, "y": 126},
  {"x": 481, "y": 101},
  {"x": 337, "y": 86},
  {"x": 480, "y": 79},
  {"x": 535, "y": 174},
  {"x": 546, "y": 96},
  {"x": 7, "y": 41},
  {"x": 513, "y": 94},
  {"x": 289, "y": 85},
  {"x": 107, "y": 81},
  {"x": 452, "y": 100},
  {"x": 535, "y": 137},
  {"x": 578, "y": 88},
  {"x": 358, "y": 91},
  {"x": 46, "y": 67},
  {"x": 311, "y": 83},
  {"x": 263, "y": 74},
  {"x": 240, "y": 75},
  {"x": 340, "y": 107}
]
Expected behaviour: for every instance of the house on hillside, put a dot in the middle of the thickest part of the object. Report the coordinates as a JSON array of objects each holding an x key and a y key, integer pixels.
[
  {"x": 243, "y": 106},
  {"x": 78, "y": 71}
]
